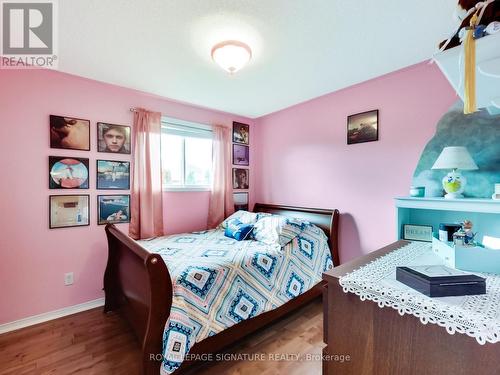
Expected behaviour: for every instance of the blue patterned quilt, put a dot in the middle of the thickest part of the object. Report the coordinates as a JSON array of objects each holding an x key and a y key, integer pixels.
[{"x": 219, "y": 282}]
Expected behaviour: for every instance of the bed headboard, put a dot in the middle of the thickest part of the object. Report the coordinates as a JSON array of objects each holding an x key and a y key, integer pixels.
[{"x": 328, "y": 220}]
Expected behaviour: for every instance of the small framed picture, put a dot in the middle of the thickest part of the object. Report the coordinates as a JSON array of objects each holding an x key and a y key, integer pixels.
[
  {"x": 69, "y": 133},
  {"x": 113, "y": 209},
  {"x": 68, "y": 173},
  {"x": 240, "y": 201},
  {"x": 240, "y": 178},
  {"x": 417, "y": 232},
  {"x": 113, "y": 175},
  {"x": 241, "y": 133},
  {"x": 68, "y": 211},
  {"x": 113, "y": 138},
  {"x": 241, "y": 155},
  {"x": 362, "y": 127}
]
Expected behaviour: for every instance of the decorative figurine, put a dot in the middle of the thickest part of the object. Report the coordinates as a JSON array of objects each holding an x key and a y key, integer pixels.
[
  {"x": 469, "y": 235},
  {"x": 464, "y": 236}
]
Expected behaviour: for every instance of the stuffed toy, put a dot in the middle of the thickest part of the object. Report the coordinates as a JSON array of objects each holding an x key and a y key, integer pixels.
[{"x": 489, "y": 23}]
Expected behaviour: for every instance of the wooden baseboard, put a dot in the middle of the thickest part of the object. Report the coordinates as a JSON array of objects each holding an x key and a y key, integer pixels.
[{"x": 51, "y": 315}]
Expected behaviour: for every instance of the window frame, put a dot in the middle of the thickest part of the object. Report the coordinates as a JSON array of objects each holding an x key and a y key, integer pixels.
[{"x": 165, "y": 121}]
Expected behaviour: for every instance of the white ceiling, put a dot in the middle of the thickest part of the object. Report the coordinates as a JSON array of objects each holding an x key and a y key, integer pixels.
[{"x": 301, "y": 48}]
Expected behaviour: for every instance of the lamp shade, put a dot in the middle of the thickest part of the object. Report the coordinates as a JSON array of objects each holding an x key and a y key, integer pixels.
[{"x": 455, "y": 158}]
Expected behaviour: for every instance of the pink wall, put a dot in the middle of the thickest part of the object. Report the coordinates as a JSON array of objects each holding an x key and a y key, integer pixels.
[
  {"x": 303, "y": 157},
  {"x": 33, "y": 258},
  {"x": 299, "y": 154}
]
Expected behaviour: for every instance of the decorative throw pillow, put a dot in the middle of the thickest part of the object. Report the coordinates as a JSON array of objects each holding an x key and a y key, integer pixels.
[
  {"x": 238, "y": 230},
  {"x": 277, "y": 229},
  {"x": 244, "y": 216}
]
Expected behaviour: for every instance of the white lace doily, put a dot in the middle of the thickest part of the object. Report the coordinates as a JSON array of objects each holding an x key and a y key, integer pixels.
[{"x": 476, "y": 316}]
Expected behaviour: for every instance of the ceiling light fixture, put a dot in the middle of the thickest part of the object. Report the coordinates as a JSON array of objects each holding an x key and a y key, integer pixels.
[{"x": 231, "y": 55}]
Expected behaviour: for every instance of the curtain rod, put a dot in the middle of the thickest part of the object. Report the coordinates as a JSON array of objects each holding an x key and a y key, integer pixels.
[{"x": 133, "y": 110}]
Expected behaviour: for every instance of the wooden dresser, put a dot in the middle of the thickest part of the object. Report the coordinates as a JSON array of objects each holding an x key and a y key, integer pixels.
[{"x": 363, "y": 338}]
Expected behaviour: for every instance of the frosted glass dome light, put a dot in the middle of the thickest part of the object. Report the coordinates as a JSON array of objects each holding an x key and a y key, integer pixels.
[{"x": 231, "y": 55}]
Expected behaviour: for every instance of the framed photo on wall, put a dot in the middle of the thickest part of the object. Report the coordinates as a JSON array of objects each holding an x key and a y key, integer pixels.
[
  {"x": 68, "y": 173},
  {"x": 69, "y": 133},
  {"x": 113, "y": 138},
  {"x": 68, "y": 211},
  {"x": 241, "y": 155},
  {"x": 241, "y": 133},
  {"x": 113, "y": 209},
  {"x": 240, "y": 201},
  {"x": 240, "y": 178},
  {"x": 362, "y": 127},
  {"x": 113, "y": 175}
]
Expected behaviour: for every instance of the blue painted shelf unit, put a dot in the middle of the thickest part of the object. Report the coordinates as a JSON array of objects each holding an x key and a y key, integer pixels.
[{"x": 484, "y": 214}]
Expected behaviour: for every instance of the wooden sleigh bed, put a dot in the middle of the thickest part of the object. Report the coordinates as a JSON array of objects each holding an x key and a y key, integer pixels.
[{"x": 138, "y": 285}]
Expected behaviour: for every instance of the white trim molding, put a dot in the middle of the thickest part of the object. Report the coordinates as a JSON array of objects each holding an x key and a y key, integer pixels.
[{"x": 51, "y": 315}]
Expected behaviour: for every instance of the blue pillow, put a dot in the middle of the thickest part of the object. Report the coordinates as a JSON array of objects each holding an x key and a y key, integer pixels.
[{"x": 238, "y": 230}]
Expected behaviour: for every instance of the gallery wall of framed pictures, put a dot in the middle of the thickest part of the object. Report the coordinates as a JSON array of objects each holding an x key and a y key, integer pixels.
[
  {"x": 72, "y": 173},
  {"x": 241, "y": 164}
]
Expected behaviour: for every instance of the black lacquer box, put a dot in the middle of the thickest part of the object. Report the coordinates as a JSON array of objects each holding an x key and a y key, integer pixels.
[{"x": 440, "y": 281}]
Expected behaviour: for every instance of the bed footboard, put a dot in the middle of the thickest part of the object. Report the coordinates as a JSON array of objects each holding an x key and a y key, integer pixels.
[{"x": 138, "y": 284}]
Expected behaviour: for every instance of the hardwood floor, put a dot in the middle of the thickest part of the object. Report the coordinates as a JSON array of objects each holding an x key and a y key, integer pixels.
[{"x": 94, "y": 343}]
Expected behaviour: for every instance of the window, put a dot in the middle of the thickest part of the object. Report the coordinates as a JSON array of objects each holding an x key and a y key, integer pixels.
[{"x": 186, "y": 155}]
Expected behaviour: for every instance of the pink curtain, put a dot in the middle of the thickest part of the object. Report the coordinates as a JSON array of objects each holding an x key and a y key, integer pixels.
[
  {"x": 146, "y": 202},
  {"x": 221, "y": 197}
]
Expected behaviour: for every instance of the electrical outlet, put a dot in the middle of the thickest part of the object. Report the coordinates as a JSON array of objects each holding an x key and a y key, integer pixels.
[{"x": 69, "y": 278}]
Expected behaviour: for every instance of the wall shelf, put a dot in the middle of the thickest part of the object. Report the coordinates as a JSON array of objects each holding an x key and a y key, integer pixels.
[
  {"x": 464, "y": 205},
  {"x": 484, "y": 213}
]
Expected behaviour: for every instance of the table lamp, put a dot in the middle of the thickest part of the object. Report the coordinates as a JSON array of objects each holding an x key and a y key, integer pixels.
[{"x": 454, "y": 158}]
